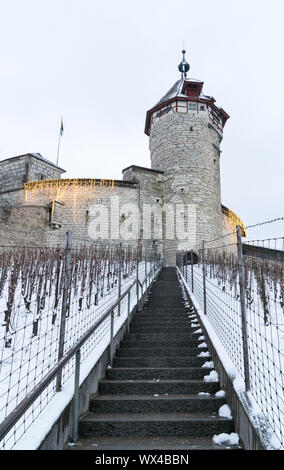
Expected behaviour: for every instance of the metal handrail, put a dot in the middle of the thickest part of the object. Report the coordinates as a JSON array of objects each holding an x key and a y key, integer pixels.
[{"x": 24, "y": 405}]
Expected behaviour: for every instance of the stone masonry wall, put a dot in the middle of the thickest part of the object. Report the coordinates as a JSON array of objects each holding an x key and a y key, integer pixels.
[
  {"x": 187, "y": 149},
  {"x": 32, "y": 222},
  {"x": 150, "y": 198},
  {"x": 20, "y": 223},
  {"x": 16, "y": 171}
]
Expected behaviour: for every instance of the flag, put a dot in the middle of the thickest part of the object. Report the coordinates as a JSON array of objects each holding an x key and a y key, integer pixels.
[{"x": 61, "y": 128}]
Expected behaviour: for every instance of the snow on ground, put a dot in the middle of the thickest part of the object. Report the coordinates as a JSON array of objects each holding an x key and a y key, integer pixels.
[
  {"x": 227, "y": 439},
  {"x": 204, "y": 354},
  {"x": 208, "y": 365},
  {"x": 225, "y": 412},
  {"x": 197, "y": 331},
  {"x": 212, "y": 377}
]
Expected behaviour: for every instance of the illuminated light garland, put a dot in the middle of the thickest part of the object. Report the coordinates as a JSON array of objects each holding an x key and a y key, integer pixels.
[
  {"x": 57, "y": 188},
  {"x": 234, "y": 219},
  {"x": 104, "y": 182}
]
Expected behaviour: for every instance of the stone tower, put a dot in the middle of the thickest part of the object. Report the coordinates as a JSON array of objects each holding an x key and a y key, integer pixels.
[{"x": 185, "y": 129}]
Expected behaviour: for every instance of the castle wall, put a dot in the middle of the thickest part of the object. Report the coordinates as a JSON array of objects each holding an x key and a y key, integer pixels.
[
  {"x": 16, "y": 171},
  {"x": 42, "y": 219},
  {"x": 150, "y": 200},
  {"x": 23, "y": 223}
]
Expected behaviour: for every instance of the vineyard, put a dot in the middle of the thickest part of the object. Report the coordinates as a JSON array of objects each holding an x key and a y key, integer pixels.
[
  {"x": 36, "y": 286},
  {"x": 252, "y": 333}
]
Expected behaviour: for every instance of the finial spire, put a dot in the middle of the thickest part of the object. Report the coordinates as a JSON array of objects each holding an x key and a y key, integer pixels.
[{"x": 183, "y": 66}]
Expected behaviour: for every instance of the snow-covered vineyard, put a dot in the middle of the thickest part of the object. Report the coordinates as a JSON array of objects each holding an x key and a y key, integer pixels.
[
  {"x": 32, "y": 290},
  {"x": 40, "y": 286},
  {"x": 214, "y": 284}
]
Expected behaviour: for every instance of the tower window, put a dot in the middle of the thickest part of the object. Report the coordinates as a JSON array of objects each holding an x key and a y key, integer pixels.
[
  {"x": 202, "y": 107},
  {"x": 164, "y": 111},
  {"x": 191, "y": 128},
  {"x": 192, "y": 106}
]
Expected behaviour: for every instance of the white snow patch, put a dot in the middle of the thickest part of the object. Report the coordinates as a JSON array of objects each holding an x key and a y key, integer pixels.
[
  {"x": 208, "y": 365},
  {"x": 225, "y": 412},
  {"x": 197, "y": 331},
  {"x": 212, "y": 377},
  {"x": 231, "y": 439},
  {"x": 220, "y": 394},
  {"x": 204, "y": 354},
  {"x": 202, "y": 345},
  {"x": 204, "y": 394}
]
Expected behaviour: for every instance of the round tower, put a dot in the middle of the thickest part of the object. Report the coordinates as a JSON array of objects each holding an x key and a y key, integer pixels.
[{"x": 185, "y": 129}]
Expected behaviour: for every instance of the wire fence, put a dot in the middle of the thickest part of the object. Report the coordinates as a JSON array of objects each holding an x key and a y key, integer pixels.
[
  {"x": 49, "y": 298},
  {"x": 243, "y": 298}
]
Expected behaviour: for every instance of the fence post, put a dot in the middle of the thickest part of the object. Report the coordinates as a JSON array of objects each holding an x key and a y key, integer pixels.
[
  {"x": 191, "y": 261},
  {"x": 76, "y": 397},
  {"x": 204, "y": 277},
  {"x": 128, "y": 311},
  {"x": 137, "y": 275},
  {"x": 243, "y": 308},
  {"x": 64, "y": 306},
  {"x": 110, "y": 359},
  {"x": 145, "y": 265},
  {"x": 119, "y": 279},
  {"x": 185, "y": 259}
]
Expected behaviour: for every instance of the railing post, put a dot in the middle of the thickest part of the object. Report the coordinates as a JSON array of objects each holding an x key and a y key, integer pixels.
[
  {"x": 185, "y": 260},
  {"x": 110, "y": 359},
  {"x": 204, "y": 277},
  {"x": 64, "y": 306},
  {"x": 243, "y": 308},
  {"x": 119, "y": 279},
  {"x": 142, "y": 296},
  {"x": 191, "y": 261},
  {"x": 128, "y": 311},
  {"x": 145, "y": 265},
  {"x": 76, "y": 397},
  {"x": 137, "y": 275}
]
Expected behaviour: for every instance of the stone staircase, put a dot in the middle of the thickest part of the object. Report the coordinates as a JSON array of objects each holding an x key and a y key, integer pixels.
[{"x": 150, "y": 398}]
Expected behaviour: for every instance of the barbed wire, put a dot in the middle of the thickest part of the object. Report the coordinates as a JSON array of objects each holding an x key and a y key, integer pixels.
[
  {"x": 264, "y": 223},
  {"x": 264, "y": 240},
  {"x": 247, "y": 227}
]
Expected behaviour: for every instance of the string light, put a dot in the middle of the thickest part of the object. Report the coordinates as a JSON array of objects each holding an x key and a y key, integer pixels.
[{"x": 56, "y": 188}]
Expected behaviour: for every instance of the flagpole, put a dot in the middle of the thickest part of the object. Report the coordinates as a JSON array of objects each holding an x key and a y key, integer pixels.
[
  {"x": 58, "y": 148},
  {"x": 59, "y": 140}
]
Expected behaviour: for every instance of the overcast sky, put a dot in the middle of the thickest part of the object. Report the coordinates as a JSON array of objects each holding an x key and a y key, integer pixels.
[{"x": 102, "y": 64}]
